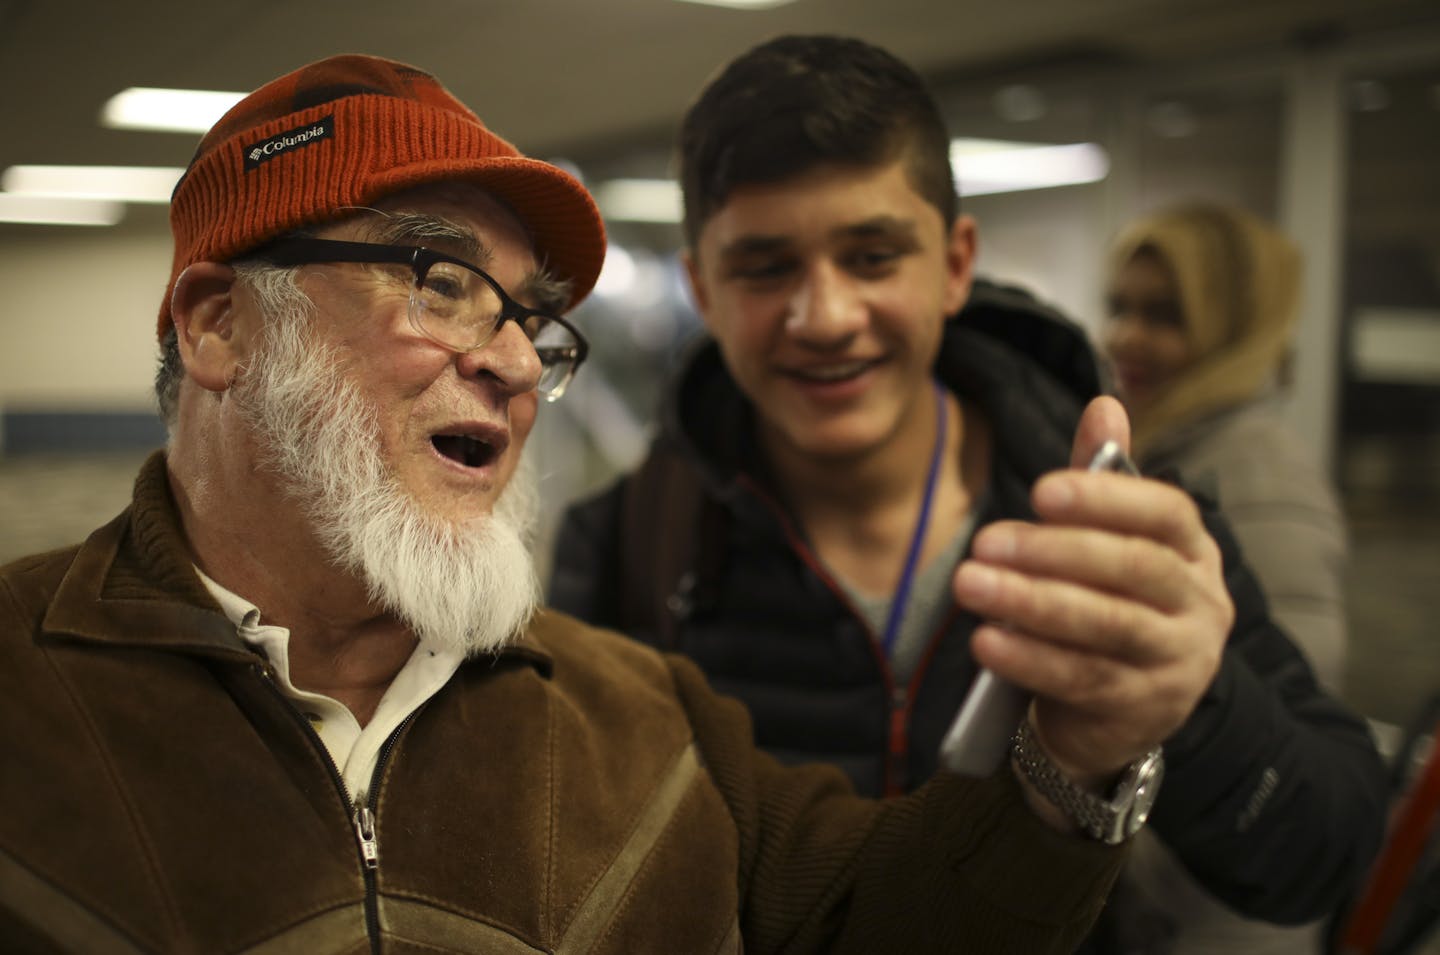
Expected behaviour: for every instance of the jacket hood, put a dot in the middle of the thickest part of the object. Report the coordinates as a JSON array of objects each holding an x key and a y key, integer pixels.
[{"x": 1238, "y": 280}]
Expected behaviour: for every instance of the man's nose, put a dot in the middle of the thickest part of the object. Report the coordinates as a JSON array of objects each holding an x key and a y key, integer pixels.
[
  {"x": 509, "y": 359},
  {"x": 827, "y": 308}
]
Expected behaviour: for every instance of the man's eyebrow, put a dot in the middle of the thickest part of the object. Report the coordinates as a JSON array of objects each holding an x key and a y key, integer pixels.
[
  {"x": 422, "y": 228},
  {"x": 545, "y": 291}
]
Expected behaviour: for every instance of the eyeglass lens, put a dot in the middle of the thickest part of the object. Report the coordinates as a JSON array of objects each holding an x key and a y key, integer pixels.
[{"x": 458, "y": 307}]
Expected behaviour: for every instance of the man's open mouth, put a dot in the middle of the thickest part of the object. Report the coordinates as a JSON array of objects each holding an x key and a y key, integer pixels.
[{"x": 465, "y": 449}]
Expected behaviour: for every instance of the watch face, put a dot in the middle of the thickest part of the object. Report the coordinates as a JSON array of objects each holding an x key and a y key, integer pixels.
[{"x": 1143, "y": 783}]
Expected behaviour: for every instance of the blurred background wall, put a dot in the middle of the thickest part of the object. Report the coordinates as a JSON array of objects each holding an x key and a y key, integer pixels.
[{"x": 1323, "y": 115}]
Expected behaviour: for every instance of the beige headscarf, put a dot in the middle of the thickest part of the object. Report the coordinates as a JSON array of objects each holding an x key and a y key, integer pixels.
[{"x": 1239, "y": 285}]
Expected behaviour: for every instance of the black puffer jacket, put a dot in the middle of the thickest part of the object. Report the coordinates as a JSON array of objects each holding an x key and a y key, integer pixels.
[{"x": 1274, "y": 793}]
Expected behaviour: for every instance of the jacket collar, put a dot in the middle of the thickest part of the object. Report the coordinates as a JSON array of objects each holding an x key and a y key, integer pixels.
[{"x": 133, "y": 584}]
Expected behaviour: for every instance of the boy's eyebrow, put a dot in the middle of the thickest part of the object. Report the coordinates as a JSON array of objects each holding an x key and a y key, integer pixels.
[
  {"x": 754, "y": 245},
  {"x": 881, "y": 226}
]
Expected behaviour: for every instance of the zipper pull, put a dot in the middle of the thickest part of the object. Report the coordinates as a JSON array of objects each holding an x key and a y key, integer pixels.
[{"x": 365, "y": 834}]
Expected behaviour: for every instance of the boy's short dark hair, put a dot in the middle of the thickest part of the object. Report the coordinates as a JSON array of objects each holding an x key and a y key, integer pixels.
[{"x": 797, "y": 102}]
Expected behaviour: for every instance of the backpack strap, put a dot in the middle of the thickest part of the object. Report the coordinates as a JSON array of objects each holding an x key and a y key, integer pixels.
[{"x": 672, "y": 542}]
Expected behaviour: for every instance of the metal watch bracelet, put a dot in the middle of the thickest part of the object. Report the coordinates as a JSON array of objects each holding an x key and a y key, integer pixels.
[{"x": 1109, "y": 820}]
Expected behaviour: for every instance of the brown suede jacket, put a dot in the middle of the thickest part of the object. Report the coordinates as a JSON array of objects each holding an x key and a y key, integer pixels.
[{"x": 577, "y": 793}]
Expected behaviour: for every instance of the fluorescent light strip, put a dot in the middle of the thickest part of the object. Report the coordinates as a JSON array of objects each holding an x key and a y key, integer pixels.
[
  {"x": 639, "y": 200},
  {"x": 48, "y": 210},
  {"x": 741, "y": 4},
  {"x": 123, "y": 183},
  {"x": 172, "y": 111},
  {"x": 983, "y": 167}
]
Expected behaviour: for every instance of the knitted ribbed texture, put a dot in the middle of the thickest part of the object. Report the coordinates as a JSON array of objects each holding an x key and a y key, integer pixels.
[
  {"x": 343, "y": 132},
  {"x": 155, "y": 557}
]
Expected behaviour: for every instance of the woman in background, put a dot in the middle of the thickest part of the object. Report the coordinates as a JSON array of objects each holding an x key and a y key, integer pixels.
[{"x": 1202, "y": 303}]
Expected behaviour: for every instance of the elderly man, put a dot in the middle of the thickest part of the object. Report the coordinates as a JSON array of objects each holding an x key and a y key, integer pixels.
[{"x": 297, "y": 696}]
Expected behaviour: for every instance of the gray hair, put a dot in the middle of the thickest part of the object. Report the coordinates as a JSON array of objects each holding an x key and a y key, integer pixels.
[{"x": 280, "y": 300}]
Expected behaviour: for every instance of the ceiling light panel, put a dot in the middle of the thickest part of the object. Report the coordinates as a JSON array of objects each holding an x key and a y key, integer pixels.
[
  {"x": 639, "y": 200},
  {"x": 741, "y": 4},
  {"x": 162, "y": 110},
  {"x": 984, "y": 166},
  {"x": 46, "y": 210},
  {"x": 123, "y": 183}
]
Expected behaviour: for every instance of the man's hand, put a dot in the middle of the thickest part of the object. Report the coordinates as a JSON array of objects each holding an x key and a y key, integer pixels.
[{"x": 1112, "y": 609}]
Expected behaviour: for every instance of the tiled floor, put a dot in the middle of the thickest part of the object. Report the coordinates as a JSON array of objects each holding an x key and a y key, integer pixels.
[{"x": 52, "y": 500}]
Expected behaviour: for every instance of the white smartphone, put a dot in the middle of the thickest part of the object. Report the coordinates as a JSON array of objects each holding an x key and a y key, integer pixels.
[
  {"x": 1110, "y": 457},
  {"x": 979, "y": 737}
]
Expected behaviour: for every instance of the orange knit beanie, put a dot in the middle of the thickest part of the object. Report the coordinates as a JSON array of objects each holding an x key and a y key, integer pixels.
[{"x": 346, "y": 131}]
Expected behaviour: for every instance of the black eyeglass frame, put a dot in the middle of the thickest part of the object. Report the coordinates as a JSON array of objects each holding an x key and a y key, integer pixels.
[{"x": 304, "y": 250}]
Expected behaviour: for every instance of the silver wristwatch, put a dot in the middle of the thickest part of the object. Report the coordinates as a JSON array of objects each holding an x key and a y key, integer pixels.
[{"x": 1111, "y": 820}]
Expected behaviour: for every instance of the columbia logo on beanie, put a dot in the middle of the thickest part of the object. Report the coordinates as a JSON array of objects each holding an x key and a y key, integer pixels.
[{"x": 306, "y": 135}]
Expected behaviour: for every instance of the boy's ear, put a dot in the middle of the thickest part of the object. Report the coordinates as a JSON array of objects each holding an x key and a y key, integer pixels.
[
  {"x": 697, "y": 283},
  {"x": 203, "y": 309},
  {"x": 960, "y": 250}
]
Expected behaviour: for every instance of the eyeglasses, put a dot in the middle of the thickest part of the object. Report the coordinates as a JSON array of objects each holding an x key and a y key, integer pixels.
[{"x": 452, "y": 303}]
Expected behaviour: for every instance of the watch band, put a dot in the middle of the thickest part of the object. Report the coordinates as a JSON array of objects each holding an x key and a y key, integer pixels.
[{"x": 1109, "y": 820}]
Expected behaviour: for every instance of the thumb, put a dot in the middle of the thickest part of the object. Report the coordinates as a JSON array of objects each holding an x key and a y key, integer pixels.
[{"x": 1104, "y": 419}]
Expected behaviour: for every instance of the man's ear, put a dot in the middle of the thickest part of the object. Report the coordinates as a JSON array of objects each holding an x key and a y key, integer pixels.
[
  {"x": 204, "y": 311},
  {"x": 960, "y": 249}
]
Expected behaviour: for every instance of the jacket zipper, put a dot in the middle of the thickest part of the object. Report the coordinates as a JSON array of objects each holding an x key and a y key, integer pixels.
[
  {"x": 897, "y": 749},
  {"x": 362, "y": 815},
  {"x": 365, "y": 834},
  {"x": 364, "y": 820}
]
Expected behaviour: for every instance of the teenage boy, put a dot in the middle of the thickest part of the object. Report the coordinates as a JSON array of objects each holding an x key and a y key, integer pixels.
[{"x": 862, "y": 418}]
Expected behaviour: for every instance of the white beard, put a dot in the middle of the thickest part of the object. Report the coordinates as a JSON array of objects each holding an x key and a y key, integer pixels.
[{"x": 468, "y": 587}]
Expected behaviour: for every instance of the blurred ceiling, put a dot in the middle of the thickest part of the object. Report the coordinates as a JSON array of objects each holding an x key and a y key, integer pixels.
[{"x": 576, "y": 77}]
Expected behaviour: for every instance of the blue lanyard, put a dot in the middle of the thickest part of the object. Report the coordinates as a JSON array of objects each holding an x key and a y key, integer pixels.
[{"x": 917, "y": 539}]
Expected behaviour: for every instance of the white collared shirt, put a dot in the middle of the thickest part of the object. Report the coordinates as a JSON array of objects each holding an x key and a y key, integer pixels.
[{"x": 354, "y": 749}]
